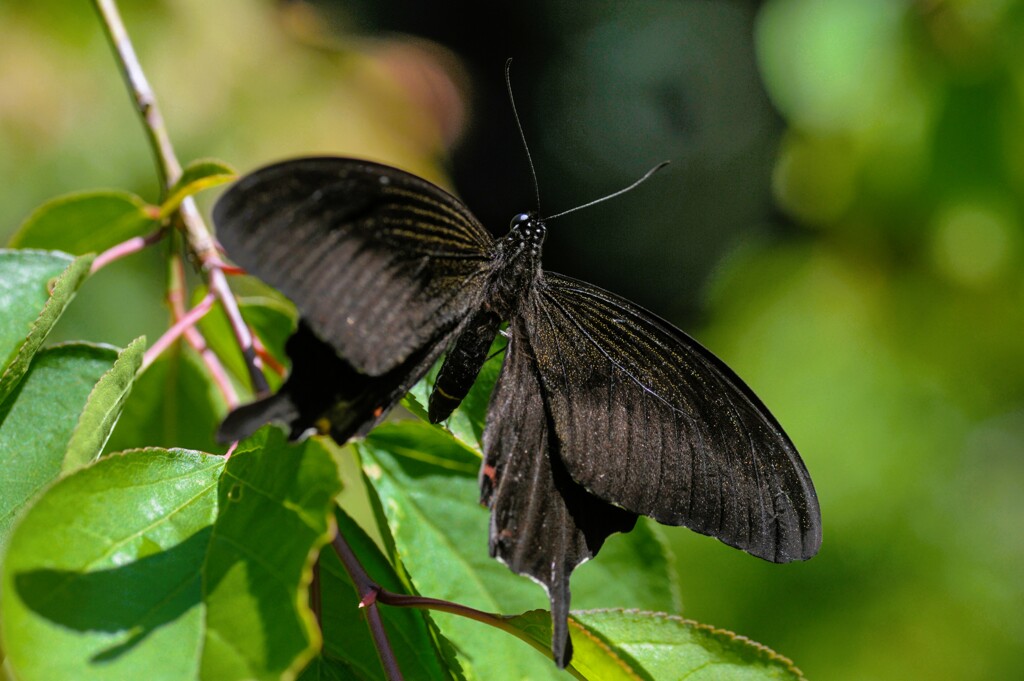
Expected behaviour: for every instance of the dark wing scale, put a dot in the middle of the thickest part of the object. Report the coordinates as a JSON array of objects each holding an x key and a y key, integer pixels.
[
  {"x": 378, "y": 261},
  {"x": 649, "y": 420},
  {"x": 543, "y": 524}
]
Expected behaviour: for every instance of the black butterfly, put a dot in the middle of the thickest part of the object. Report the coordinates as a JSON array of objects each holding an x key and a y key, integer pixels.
[{"x": 602, "y": 411}]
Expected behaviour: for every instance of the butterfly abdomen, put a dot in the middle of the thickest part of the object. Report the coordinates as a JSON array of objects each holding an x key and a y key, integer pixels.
[
  {"x": 514, "y": 270},
  {"x": 461, "y": 366}
]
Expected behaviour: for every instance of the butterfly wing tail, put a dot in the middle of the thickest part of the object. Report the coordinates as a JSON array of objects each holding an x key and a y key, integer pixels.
[{"x": 561, "y": 644}]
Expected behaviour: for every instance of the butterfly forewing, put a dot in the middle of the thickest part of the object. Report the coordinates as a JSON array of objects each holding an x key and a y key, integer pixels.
[
  {"x": 649, "y": 420},
  {"x": 378, "y": 261}
]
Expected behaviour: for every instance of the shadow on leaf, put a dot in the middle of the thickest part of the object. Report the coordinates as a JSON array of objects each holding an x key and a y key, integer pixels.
[{"x": 136, "y": 598}]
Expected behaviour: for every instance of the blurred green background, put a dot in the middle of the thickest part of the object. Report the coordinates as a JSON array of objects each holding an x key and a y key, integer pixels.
[{"x": 842, "y": 223}]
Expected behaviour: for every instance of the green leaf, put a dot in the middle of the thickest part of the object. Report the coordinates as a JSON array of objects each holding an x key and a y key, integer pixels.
[
  {"x": 197, "y": 176},
  {"x": 39, "y": 419},
  {"x": 30, "y": 307},
  {"x": 592, "y": 658},
  {"x": 86, "y": 222},
  {"x": 654, "y": 645},
  {"x": 103, "y": 575},
  {"x": 276, "y": 502},
  {"x": 349, "y": 650},
  {"x": 324, "y": 669},
  {"x": 103, "y": 407},
  {"x": 642, "y": 569},
  {"x": 163, "y": 564},
  {"x": 269, "y": 314},
  {"x": 427, "y": 483},
  {"x": 173, "y": 403}
]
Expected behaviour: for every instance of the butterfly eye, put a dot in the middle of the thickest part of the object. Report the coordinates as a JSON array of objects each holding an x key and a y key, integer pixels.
[{"x": 520, "y": 220}]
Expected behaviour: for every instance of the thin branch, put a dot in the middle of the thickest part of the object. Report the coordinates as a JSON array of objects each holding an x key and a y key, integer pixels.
[
  {"x": 370, "y": 594},
  {"x": 219, "y": 286},
  {"x": 268, "y": 359},
  {"x": 200, "y": 240},
  {"x": 133, "y": 245},
  {"x": 176, "y": 301},
  {"x": 367, "y": 588},
  {"x": 502, "y": 622},
  {"x": 145, "y": 101},
  {"x": 185, "y": 322}
]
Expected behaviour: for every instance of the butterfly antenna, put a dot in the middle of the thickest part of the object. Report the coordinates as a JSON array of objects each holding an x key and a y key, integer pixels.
[
  {"x": 614, "y": 194},
  {"x": 522, "y": 135}
]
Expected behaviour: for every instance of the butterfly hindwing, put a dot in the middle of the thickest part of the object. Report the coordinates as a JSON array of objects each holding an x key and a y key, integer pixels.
[
  {"x": 324, "y": 392},
  {"x": 543, "y": 524},
  {"x": 649, "y": 420},
  {"x": 378, "y": 261}
]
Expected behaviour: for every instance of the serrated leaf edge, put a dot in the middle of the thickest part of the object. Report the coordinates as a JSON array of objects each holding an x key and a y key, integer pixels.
[
  {"x": 314, "y": 635},
  {"x": 63, "y": 291},
  {"x": 132, "y": 353},
  {"x": 762, "y": 650}
]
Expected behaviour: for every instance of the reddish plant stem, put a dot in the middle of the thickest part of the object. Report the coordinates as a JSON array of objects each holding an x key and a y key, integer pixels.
[
  {"x": 133, "y": 245},
  {"x": 371, "y": 594},
  {"x": 268, "y": 359},
  {"x": 176, "y": 301},
  {"x": 499, "y": 621},
  {"x": 183, "y": 323},
  {"x": 219, "y": 286}
]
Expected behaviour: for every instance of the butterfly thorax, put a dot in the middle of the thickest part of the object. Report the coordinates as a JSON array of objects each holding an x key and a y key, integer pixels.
[
  {"x": 514, "y": 271},
  {"x": 516, "y": 264}
]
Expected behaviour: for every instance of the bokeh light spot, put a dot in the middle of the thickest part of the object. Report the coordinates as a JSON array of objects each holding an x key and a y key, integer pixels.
[
  {"x": 814, "y": 179},
  {"x": 973, "y": 242},
  {"x": 826, "y": 63}
]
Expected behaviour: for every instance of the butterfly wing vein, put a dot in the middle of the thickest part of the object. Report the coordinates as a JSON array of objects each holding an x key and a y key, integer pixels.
[{"x": 378, "y": 261}]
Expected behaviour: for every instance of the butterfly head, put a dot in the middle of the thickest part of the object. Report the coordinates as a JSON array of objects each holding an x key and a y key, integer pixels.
[
  {"x": 516, "y": 264},
  {"x": 526, "y": 234}
]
